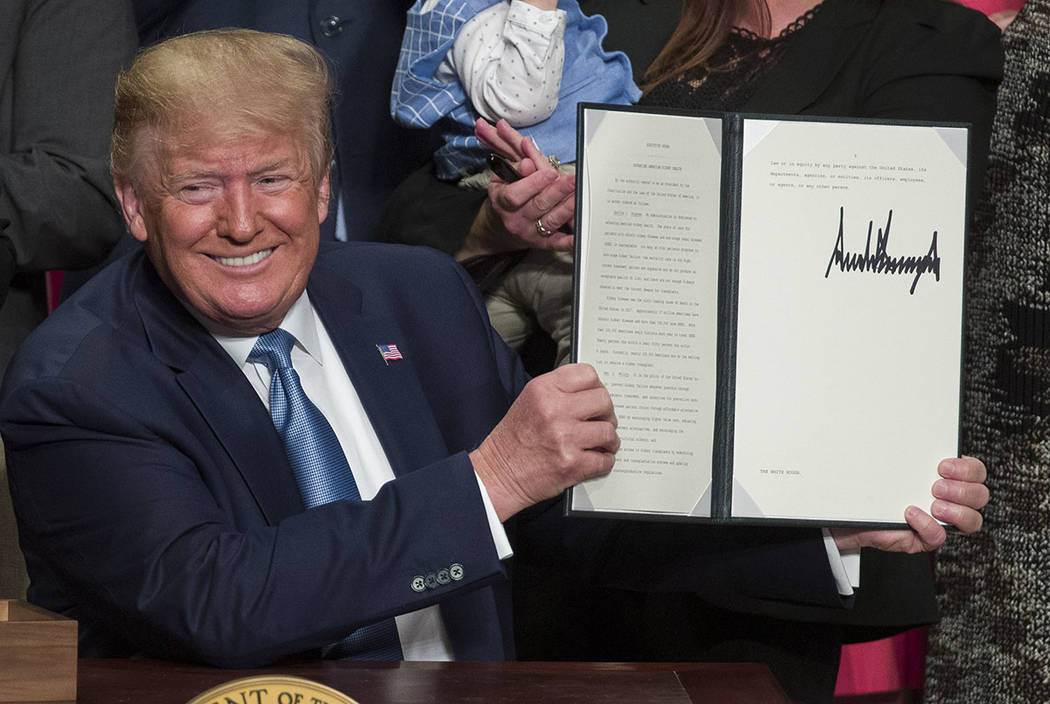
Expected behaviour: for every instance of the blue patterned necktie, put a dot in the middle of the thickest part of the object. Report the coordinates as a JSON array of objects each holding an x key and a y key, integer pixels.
[{"x": 321, "y": 471}]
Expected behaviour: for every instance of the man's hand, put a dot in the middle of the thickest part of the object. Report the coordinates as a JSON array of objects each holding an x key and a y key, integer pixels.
[
  {"x": 560, "y": 431},
  {"x": 958, "y": 496}
]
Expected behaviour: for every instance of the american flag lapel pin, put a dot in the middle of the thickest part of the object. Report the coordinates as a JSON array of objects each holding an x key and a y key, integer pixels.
[{"x": 388, "y": 353}]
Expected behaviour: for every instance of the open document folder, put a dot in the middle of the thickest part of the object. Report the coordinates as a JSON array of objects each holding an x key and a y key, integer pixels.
[{"x": 775, "y": 305}]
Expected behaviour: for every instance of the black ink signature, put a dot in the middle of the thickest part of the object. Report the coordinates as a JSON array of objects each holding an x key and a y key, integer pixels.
[{"x": 881, "y": 262}]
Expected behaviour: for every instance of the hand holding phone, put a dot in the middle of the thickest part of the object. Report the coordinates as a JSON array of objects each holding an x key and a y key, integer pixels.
[{"x": 502, "y": 168}]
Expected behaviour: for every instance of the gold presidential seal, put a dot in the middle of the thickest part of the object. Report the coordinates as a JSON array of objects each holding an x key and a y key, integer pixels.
[{"x": 271, "y": 689}]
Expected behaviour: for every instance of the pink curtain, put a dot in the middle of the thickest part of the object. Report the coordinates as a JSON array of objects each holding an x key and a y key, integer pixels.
[
  {"x": 53, "y": 288},
  {"x": 886, "y": 665}
]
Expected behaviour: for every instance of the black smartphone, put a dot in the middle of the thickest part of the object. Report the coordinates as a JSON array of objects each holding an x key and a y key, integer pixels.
[{"x": 502, "y": 168}]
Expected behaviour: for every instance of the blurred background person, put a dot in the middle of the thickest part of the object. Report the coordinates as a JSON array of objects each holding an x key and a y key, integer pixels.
[
  {"x": 58, "y": 63},
  {"x": 993, "y": 642},
  {"x": 57, "y": 209}
]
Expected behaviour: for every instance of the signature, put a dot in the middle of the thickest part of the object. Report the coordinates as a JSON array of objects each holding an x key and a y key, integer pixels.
[{"x": 881, "y": 261}]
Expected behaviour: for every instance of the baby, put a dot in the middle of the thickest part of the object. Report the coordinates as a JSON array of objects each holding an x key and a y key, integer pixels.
[{"x": 528, "y": 62}]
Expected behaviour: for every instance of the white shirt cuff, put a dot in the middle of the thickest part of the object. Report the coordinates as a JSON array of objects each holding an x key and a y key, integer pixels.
[
  {"x": 499, "y": 535},
  {"x": 845, "y": 565}
]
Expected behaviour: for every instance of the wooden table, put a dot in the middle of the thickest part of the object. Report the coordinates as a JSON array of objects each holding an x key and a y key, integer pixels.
[{"x": 156, "y": 682}]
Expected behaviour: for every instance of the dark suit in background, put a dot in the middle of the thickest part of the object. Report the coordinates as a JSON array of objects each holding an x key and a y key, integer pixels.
[
  {"x": 58, "y": 62},
  {"x": 890, "y": 59},
  {"x": 360, "y": 40}
]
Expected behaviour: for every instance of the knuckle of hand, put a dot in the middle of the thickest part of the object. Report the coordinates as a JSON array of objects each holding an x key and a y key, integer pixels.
[
  {"x": 562, "y": 439},
  {"x": 550, "y": 416},
  {"x": 568, "y": 466}
]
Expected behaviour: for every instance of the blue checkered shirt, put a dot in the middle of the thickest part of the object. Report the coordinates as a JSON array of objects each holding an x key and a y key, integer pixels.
[{"x": 418, "y": 99}]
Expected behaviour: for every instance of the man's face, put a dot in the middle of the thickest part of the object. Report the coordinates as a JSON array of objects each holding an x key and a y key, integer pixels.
[{"x": 231, "y": 225}]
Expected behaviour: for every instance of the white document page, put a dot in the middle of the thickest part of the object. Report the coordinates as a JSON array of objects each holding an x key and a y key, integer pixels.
[
  {"x": 646, "y": 317},
  {"x": 849, "y": 320}
]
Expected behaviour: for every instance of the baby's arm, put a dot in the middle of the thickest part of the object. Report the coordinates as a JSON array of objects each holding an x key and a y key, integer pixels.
[{"x": 509, "y": 60}]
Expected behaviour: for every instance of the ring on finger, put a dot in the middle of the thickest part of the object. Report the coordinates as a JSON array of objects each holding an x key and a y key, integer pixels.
[
  {"x": 541, "y": 230},
  {"x": 554, "y": 161}
]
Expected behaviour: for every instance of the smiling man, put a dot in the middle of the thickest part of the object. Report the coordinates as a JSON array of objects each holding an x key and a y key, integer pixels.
[
  {"x": 232, "y": 223},
  {"x": 201, "y": 511},
  {"x": 228, "y": 189},
  {"x": 237, "y": 445}
]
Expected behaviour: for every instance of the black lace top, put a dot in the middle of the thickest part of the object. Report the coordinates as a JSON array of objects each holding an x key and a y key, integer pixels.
[{"x": 739, "y": 65}]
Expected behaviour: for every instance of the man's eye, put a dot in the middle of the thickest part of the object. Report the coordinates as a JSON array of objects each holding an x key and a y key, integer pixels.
[
  {"x": 195, "y": 192},
  {"x": 273, "y": 180}
]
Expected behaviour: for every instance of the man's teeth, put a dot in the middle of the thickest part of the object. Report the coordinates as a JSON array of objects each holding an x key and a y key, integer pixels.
[{"x": 245, "y": 261}]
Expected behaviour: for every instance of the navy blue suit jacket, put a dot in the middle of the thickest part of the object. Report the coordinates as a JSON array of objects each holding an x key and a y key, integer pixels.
[{"x": 157, "y": 507}]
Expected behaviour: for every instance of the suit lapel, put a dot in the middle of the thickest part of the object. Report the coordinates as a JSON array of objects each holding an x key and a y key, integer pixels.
[
  {"x": 244, "y": 427},
  {"x": 390, "y": 391},
  {"x": 813, "y": 59},
  {"x": 223, "y": 397}
]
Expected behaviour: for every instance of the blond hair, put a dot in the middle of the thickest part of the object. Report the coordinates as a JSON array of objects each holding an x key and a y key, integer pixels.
[{"x": 230, "y": 81}]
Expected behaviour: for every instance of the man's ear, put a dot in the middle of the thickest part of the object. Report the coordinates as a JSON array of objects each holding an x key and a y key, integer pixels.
[
  {"x": 324, "y": 195},
  {"x": 131, "y": 206}
]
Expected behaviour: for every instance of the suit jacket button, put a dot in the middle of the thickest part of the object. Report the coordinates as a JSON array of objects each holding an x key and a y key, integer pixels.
[
  {"x": 443, "y": 577},
  {"x": 418, "y": 584},
  {"x": 431, "y": 582},
  {"x": 331, "y": 26},
  {"x": 455, "y": 571}
]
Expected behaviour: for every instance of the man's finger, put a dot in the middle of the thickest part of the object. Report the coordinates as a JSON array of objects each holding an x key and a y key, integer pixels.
[
  {"x": 966, "y": 494},
  {"x": 966, "y": 469},
  {"x": 571, "y": 378},
  {"x": 598, "y": 435},
  {"x": 965, "y": 519},
  {"x": 592, "y": 405},
  {"x": 600, "y": 462},
  {"x": 928, "y": 531}
]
